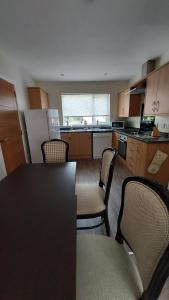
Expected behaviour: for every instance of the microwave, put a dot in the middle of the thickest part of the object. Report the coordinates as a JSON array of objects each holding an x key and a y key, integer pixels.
[{"x": 118, "y": 124}]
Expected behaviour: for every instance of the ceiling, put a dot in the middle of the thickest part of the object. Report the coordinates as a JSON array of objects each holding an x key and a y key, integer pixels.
[{"x": 76, "y": 40}]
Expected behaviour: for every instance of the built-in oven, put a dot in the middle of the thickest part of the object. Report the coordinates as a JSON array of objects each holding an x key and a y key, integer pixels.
[{"x": 122, "y": 146}]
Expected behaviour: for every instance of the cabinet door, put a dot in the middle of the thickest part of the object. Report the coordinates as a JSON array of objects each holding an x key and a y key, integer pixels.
[
  {"x": 123, "y": 104},
  {"x": 44, "y": 99},
  {"x": 80, "y": 145},
  {"x": 135, "y": 105},
  {"x": 85, "y": 145},
  {"x": 163, "y": 91},
  {"x": 140, "y": 158},
  {"x": 73, "y": 141},
  {"x": 74, "y": 146},
  {"x": 151, "y": 94},
  {"x": 65, "y": 137},
  {"x": 34, "y": 97},
  {"x": 38, "y": 99},
  {"x": 131, "y": 154},
  {"x": 115, "y": 139},
  {"x": 136, "y": 156}
]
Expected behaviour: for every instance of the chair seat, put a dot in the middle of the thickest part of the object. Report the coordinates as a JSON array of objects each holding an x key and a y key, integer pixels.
[
  {"x": 90, "y": 199},
  {"x": 105, "y": 271}
]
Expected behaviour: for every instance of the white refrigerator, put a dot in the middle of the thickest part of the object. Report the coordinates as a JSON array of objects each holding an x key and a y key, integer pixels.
[{"x": 41, "y": 125}]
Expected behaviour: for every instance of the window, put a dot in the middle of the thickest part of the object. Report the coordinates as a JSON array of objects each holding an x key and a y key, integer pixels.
[{"x": 85, "y": 109}]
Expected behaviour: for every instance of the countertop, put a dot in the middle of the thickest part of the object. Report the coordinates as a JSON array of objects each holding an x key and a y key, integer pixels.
[
  {"x": 92, "y": 130},
  {"x": 128, "y": 132},
  {"x": 144, "y": 138}
]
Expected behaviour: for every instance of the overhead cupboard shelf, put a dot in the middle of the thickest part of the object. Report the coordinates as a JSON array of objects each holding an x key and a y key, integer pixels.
[{"x": 129, "y": 104}]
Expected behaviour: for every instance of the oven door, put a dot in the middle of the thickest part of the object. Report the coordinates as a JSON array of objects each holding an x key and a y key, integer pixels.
[{"x": 122, "y": 147}]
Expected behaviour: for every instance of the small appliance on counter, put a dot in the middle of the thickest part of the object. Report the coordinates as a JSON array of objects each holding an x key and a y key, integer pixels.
[
  {"x": 118, "y": 124},
  {"x": 146, "y": 122}
]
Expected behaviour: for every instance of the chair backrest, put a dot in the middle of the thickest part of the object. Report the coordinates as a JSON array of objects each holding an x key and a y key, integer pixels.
[
  {"x": 54, "y": 151},
  {"x": 144, "y": 224},
  {"x": 107, "y": 167}
]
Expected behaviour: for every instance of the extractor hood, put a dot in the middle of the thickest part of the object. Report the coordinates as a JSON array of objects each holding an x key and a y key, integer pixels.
[{"x": 137, "y": 90}]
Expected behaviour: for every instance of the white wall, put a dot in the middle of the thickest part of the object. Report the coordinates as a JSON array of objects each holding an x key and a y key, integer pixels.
[
  {"x": 17, "y": 76},
  {"x": 55, "y": 89}
]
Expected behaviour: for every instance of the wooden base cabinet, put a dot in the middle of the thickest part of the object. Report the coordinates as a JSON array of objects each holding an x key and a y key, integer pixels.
[
  {"x": 80, "y": 145},
  {"x": 136, "y": 155},
  {"x": 139, "y": 156},
  {"x": 115, "y": 138}
]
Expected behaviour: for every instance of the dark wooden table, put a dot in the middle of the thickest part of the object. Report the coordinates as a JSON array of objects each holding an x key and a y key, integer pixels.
[{"x": 38, "y": 233}]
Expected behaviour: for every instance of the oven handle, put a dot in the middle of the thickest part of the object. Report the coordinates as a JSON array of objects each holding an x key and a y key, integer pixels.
[{"x": 122, "y": 141}]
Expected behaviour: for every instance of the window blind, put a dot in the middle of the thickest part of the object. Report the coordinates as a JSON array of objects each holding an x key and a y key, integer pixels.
[{"x": 82, "y": 105}]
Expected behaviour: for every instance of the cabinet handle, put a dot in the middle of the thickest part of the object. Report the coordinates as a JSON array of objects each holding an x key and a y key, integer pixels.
[
  {"x": 153, "y": 108},
  {"x": 158, "y": 105}
]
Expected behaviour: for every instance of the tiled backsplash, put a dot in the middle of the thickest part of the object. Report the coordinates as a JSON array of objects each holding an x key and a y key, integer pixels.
[
  {"x": 161, "y": 121},
  {"x": 133, "y": 122}
]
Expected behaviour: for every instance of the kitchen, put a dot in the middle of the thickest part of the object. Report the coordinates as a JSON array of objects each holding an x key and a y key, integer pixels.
[
  {"x": 131, "y": 134},
  {"x": 94, "y": 74}
]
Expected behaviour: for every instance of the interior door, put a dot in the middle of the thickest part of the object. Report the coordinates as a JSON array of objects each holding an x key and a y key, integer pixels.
[
  {"x": 10, "y": 131},
  {"x": 13, "y": 154}
]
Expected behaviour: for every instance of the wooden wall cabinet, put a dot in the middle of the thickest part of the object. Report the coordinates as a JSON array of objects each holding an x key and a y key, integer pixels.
[
  {"x": 151, "y": 94},
  {"x": 38, "y": 98},
  {"x": 157, "y": 92},
  {"x": 139, "y": 156},
  {"x": 80, "y": 144},
  {"x": 123, "y": 104},
  {"x": 129, "y": 105},
  {"x": 163, "y": 91}
]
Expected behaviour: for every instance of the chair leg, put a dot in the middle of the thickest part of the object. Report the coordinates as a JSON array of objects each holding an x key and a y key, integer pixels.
[{"x": 107, "y": 224}]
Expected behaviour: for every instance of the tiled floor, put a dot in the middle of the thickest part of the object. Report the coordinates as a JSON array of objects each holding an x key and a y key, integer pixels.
[{"x": 87, "y": 172}]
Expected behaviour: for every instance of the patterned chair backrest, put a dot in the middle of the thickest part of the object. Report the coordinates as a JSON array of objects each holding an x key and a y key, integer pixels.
[
  {"x": 106, "y": 173},
  {"x": 55, "y": 151},
  {"x": 144, "y": 224},
  {"x": 107, "y": 160}
]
